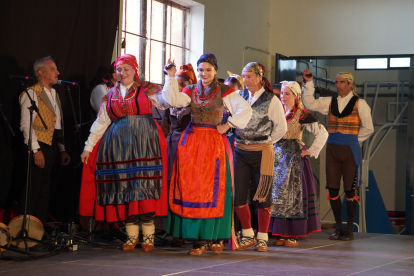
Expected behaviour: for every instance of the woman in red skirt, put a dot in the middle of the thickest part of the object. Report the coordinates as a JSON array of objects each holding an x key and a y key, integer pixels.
[{"x": 125, "y": 157}]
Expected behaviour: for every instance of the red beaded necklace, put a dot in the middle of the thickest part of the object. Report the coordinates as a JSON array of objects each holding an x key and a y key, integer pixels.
[{"x": 211, "y": 96}]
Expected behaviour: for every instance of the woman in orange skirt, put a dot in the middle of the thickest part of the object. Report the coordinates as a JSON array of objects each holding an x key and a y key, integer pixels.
[{"x": 201, "y": 192}]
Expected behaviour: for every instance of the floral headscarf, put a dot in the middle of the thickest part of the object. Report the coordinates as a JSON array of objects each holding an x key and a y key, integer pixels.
[
  {"x": 294, "y": 86},
  {"x": 296, "y": 90},
  {"x": 259, "y": 70},
  {"x": 130, "y": 60},
  {"x": 350, "y": 78},
  {"x": 210, "y": 58},
  {"x": 239, "y": 79}
]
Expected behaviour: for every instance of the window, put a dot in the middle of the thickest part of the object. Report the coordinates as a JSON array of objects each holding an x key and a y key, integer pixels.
[
  {"x": 399, "y": 62},
  {"x": 372, "y": 63},
  {"x": 382, "y": 63},
  {"x": 154, "y": 31}
]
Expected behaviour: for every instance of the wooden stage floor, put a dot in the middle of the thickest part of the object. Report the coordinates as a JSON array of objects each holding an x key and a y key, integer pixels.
[{"x": 368, "y": 254}]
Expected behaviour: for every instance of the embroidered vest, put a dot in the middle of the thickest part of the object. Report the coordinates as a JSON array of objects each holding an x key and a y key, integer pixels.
[
  {"x": 260, "y": 127},
  {"x": 295, "y": 129},
  {"x": 346, "y": 125},
  {"x": 48, "y": 114},
  {"x": 135, "y": 102},
  {"x": 212, "y": 113}
]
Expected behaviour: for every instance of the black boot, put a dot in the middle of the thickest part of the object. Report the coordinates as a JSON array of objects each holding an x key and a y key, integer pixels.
[
  {"x": 336, "y": 209},
  {"x": 351, "y": 206}
]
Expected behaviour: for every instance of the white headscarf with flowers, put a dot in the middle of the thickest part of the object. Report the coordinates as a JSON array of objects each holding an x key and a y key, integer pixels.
[{"x": 296, "y": 90}]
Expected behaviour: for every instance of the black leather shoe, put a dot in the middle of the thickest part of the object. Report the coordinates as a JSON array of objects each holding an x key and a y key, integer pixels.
[
  {"x": 348, "y": 236},
  {"x": 337, "y": 235}
]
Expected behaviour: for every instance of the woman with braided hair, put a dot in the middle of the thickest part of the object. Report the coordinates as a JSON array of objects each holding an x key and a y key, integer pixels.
[
  {"x": 201, "y": 189},
  {"x": 294, "y": 199}
]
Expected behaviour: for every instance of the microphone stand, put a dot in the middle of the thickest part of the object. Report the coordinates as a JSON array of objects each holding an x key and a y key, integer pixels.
[
  {"x": 76, "y": 139},
  {"x": 23, "y": 234}
]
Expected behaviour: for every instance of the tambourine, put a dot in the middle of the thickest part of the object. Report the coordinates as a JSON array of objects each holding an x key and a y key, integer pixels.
[
  {"x": 34, "y": 229},
  {"x": 5, "y": 237}
]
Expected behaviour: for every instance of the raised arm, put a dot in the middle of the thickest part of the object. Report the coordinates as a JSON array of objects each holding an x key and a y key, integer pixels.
[
  {"x": 320, "y": 105},
  {"x": 172, "y": 95}
]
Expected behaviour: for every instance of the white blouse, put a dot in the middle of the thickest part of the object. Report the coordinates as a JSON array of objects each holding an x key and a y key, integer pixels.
[
  {"x": 238, "y": 107},
  {"x": 170, "y": 97},
  {"x": 25, "y": 115},
  {"x": 322, "y": 104},
  {"x": 321, "y": 136},
  {"x": 103, "y": 120}
]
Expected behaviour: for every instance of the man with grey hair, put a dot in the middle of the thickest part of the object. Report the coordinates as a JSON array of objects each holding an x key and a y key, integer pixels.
[{"x": 45, "y": 142}]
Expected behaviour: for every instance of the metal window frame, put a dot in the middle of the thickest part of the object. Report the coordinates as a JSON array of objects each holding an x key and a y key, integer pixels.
[
  {"x": 388, "y": 64},
  {"x": 146, "y": 36}
]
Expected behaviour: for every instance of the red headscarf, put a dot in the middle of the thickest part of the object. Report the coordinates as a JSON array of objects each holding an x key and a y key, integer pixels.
[
  {"x": 130, "y": 60},
  {"x": 187, "y": 72},
  {"x": 266, "y": 83}
]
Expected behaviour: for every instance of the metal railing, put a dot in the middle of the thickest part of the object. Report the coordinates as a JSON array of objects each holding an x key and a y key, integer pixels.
[{"x": 369, "y": 144}]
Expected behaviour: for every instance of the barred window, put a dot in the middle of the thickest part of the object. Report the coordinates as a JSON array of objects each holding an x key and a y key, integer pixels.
[
  {"x": 382, "y": 63},
  {"x": 154, "y": 31}
]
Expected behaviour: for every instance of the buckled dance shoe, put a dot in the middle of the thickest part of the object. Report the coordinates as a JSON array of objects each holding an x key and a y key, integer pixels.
[
  {"x": 132, "y": 230},
  {"x": 130, "y": 243},
  {"x": 280, "y": 241},
  {"x": 261, "y": 245},
  {"x": 148, "y": 230},
  {"x": 291, "y": 242},
  {"x": 199, "y": 248},
  {"x": 247, "y": 239},
  {"x": 247, "y": 242},
  {"x": 217, "y": 247},
  {"x": 147, "y": 243}
]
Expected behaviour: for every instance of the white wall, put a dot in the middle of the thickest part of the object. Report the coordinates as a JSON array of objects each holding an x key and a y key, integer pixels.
[
  {"x": 303, "y": 27},
  {"x": 229, "y": 26},
  {"x": 354, "y": 27},
  {"x": 319, "y": 28}
]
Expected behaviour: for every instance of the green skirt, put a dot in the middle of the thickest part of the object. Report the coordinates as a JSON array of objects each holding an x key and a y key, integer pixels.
[{"x": 205, "y": 229}]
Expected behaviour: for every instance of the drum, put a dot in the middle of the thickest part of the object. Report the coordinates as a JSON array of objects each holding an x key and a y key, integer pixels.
[
  {"x": 34, "y": 229},
  {"x": 5, "y": 237}
]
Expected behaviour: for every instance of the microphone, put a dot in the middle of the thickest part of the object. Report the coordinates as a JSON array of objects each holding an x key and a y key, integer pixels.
[
  {"x": 19, "y": 77},
  {"x": 66, "y": 82}
]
